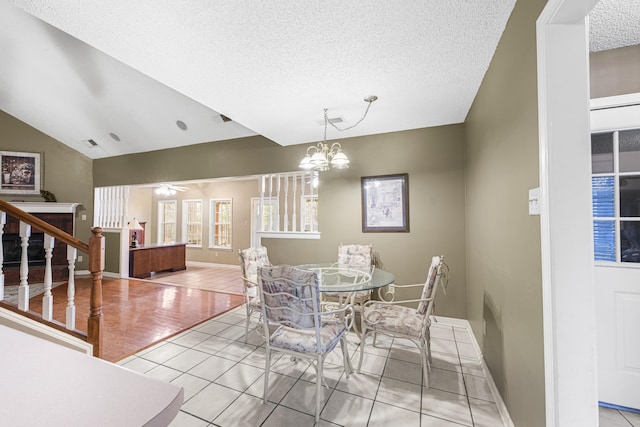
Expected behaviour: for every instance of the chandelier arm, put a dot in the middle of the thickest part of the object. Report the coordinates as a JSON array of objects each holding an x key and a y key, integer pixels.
[{"x": 347, "y": 128}]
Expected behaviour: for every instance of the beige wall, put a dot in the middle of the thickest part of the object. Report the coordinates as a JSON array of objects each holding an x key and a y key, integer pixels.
[
  {"x": 615, "y": 72},
  {"x": 67, "y": 173},
  {"x": 503, "y": 242},
  {"x": 433, "y": 158}
]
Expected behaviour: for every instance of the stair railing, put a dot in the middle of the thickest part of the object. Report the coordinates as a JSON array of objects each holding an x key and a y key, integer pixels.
[{"x": 95, "y": 252}]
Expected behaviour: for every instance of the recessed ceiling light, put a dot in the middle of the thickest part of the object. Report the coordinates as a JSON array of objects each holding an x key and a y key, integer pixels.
[
  {"x": 182, "y": 125},
  {"x": 114, "y": 136}
]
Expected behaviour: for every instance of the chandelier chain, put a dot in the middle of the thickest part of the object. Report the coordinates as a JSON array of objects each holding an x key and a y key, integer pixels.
[{"x": 369, "y": 102}]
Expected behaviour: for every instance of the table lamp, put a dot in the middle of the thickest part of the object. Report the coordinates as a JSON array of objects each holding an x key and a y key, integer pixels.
[{"x": 134, "y": 225}]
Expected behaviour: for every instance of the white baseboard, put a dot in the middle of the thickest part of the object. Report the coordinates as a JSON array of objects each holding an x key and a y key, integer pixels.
[{"x": 497, "y": 398}]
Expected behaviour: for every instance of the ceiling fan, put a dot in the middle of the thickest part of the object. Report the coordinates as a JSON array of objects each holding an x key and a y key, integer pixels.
[{"x": 169, "y": 189}]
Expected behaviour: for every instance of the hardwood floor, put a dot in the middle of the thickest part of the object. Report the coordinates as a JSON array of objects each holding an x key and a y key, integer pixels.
[{"x": 139, "y": 313}]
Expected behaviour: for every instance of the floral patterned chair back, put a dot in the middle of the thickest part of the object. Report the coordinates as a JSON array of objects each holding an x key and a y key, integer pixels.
[
  {"x": 250, "y": 260},
  {"x": 355, "y": 256},
  {"x": 294, "y": 324},
  {"x": 291, "y": 296},
  {"x": 427, "y": 291}
]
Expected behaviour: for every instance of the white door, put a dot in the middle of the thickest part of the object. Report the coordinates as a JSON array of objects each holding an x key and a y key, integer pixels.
[{"x": 616, "y": 186}]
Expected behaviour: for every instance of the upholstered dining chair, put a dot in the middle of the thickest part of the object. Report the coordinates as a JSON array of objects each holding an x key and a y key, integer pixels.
[
  {"x": 294, "y": 324},
  {"x": 395, "y": 319},
  {"x": 357, "y": 257},
  {"x": 250, "y": 260}
]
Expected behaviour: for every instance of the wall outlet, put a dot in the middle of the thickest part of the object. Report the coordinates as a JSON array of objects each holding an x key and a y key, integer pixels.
[
  {"x": 79, "y": 258},
  {"x": 216, "y": 253}
]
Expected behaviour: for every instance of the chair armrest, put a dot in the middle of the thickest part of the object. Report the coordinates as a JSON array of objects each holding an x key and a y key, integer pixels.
[
  {"x": 346, "y": 313},
  {"x": 419, "y": 300}
]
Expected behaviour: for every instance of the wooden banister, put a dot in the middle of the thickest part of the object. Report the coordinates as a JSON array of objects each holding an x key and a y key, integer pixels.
[{"x": 95, "y": 251}]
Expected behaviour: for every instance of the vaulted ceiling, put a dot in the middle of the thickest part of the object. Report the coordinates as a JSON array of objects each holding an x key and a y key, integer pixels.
[{"x": 119, "y": 77}]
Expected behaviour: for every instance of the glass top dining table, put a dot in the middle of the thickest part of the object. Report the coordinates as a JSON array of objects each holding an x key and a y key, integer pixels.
[{"x": 335, "y": 278}]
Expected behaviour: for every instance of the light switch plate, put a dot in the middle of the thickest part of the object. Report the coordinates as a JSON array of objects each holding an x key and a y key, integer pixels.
[{"x": 534, "y": 201}]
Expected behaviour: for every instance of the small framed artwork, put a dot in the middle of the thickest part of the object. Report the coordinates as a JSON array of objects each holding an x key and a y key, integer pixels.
[
  {"x": 20, "y": 173},
  {"x": 385, "y": 203}
]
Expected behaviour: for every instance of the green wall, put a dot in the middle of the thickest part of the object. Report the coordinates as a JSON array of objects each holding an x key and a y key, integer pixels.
[
  {"x": 66, "y": 173},
  {"x": 433, "y": 158},
  {"x": 504, "y": 279}
]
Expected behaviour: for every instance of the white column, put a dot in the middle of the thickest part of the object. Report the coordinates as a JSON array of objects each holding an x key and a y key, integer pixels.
[
  {"x": 23, "y": 289},
  {"x": 71, "y": 288},
  {"x": 47, "y": 299}
]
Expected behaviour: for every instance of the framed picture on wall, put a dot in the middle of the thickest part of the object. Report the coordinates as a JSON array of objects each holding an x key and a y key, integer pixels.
[
  {"x": 20, "y": 173},
  {"x": 385, "y": 203}
]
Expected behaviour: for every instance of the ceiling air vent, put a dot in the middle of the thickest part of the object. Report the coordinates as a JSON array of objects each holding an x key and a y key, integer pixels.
[{"x": 90, "y": 143}]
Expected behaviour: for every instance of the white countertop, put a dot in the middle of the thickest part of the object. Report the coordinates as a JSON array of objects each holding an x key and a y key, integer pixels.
[{"x": 45, "y": 384}]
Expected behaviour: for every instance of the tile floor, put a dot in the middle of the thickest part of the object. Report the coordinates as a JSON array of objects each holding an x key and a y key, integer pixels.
[
  {"x": 222, "y": 378},
  {"x": 614, "y": 418}
]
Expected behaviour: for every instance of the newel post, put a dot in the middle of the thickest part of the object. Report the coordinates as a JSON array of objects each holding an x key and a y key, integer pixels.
[{"x": 96, "y": 266}]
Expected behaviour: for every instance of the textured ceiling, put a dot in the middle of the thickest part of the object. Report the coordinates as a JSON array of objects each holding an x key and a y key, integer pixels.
[
  {"x": 614, "y": 23},
  {"x": 271, "y": 66},
  {"x": 123, "y": 73}
]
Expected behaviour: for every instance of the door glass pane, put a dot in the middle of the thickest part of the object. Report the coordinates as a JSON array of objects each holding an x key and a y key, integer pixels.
[
  {"x": 603, "y": 196},
  {"x": 629, "y": 150},
  {"x": 630, "y": 196},
  {"x": 604, "y": 241},
  {"x": 630, "y": 241},
  {"x": 602, "y": 152}
]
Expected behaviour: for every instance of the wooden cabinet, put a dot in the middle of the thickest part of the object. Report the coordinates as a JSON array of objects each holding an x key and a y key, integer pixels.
[{"x": 147, "y": 259}]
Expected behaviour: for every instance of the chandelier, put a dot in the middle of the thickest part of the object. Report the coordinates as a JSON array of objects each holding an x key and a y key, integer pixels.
[{"x": 322, "y": 156}]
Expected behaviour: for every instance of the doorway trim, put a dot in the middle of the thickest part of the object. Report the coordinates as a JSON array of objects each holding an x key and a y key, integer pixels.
[{"x": 566, "y": 233}]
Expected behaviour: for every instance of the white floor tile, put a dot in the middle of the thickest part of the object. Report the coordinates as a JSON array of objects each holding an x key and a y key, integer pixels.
[
  {"x": 467, "y": 351},
  {"x": 441, "y": 331},
  {"x": 485, "y": 414},
  {"x": 478, "y": 388},
  {"x": 399, "y": 393},
  {"x": 279, "y": 386},
  {"x": 186, "y": 420},
  {"x": 363, "y": 385},
  {"x": 192, "y": 338},
  {"x": 211, "y": 368},
  {"x": 186, "y": 360},
  {"x": 446, "y": 380},
  {"x": 213, "y": 327},
  {"x": 439, "y": 345},
  {"x": 210, "y": 401},
  {"x": 224, "y": 381},
  {"x": 161, "y": 354},
  {"x": 245, "y": 411},
  {"x": 163, "y": 373},
  {"x": 236, "y": 351},
  {"x": 444, "y": 405},
  {"x": 371, "y": 363},
  {"x": 282, "y": 416},
  {"x": 139, "y": 365},
  {"x": 347, "y": 409},
  {"x": 387, "y": 415},
  {"x": 191, "y": 385},
  {"x": 302, "y": 397},
  {"x": 403, "y": 371},
  {"x": 212, "y": 345},
  {"x": 632, "y": 417},
  {"x": 240, "y": 377}
]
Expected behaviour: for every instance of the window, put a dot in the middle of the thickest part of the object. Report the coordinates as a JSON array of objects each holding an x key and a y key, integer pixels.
[
  {"x": 310, "y": 213},
  {"x": 167, "y": 221},
  {"x": 192, "y": 222},
  {"x": 220, "y": 225},
  {"x": 615, "y": 186}
]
